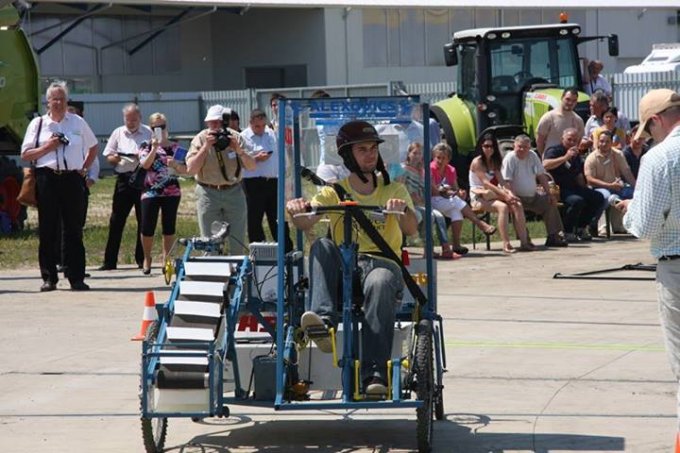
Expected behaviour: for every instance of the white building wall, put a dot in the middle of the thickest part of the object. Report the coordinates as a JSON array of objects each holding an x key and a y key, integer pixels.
[
  {"x": 212, "y": 53},
  {"x": 638, "y": 29},
  {"x": 196, "y": 65}
]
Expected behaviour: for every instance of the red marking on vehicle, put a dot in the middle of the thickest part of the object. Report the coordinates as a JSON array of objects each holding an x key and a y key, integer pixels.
[{"x": 248, "y": 323}]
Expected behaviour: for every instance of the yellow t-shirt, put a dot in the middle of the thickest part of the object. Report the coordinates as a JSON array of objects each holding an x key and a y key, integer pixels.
[{"x": 389, "y": 229}]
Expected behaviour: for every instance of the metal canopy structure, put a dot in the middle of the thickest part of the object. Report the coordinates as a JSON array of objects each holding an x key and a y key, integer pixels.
[{"x": 561, "y": 4}]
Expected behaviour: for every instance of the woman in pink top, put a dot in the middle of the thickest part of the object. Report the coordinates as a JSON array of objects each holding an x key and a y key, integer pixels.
[{"x": 448, "y": 198}]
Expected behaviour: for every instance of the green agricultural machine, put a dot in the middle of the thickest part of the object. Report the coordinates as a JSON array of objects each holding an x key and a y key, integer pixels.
[
  {"x": 19, "y": 103},
  {"x": 508, "y": 77}
]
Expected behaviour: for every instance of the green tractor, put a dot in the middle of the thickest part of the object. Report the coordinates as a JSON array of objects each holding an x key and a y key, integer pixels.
[
  {"x": 508, "y": 77},
  {"x": 19, "y": 103}
]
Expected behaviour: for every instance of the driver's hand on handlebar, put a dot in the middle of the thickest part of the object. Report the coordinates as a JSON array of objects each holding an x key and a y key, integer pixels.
[
  {"x": 395, "y": 204},
  {"x": 297, "y": 206}
]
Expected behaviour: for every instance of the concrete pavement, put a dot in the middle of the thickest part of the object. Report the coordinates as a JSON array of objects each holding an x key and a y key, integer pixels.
[{"x": 535, "y": 365}]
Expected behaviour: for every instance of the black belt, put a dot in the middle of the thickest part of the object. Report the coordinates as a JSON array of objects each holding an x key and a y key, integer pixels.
[
  {"x": 669, "y": 257},
  {"x": 125, "y": 174},
  {"x": 57, "y": 172},
  {"x": 266, "y": 178},
  {"x": 218, "y": 186}
]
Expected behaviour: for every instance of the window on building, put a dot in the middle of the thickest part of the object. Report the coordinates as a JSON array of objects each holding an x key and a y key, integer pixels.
[{"x": 412, "y": 37}]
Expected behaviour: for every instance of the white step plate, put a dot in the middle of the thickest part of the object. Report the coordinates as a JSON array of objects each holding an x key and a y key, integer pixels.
[
  {"x": 212, "y": 289},
  {"x": 168, "y": 360},
  {"x": 191, "y": 308},
  {"x": 207, "y": 269},
  {"x": 190, "y": 334}
]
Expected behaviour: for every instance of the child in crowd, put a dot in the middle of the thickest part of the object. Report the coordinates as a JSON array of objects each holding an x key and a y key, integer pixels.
[{"x": 448, "y": 198}]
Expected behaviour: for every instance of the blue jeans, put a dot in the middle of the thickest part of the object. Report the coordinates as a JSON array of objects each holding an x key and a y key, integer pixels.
[
  {"x": 582, "y": 207},
  {"x": 382, "y": 288},
  {"x": 439, "y": 222}
]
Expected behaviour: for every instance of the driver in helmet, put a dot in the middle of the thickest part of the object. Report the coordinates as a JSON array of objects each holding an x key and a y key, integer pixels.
[{"x": 381, "y": 280}]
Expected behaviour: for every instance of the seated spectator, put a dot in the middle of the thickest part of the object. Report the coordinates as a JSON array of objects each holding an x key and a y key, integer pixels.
[
  {"x": 485, "y": 192},
  {"x": 609, "y": 118},
  {"x": 413, "y": 177},
  {"x": 521, "y": 170},
  {"x": 633, "y": 152},
  {"x": 599, "y": 103},
  {"x": 582, "y": 205},
  {"x": 607, "y": 172},
  {"x": 448, "y": 198}
]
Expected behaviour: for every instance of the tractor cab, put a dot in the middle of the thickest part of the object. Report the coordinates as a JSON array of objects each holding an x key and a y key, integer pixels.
[
  {"x": 508, "y": 77},
  {"x": 497, "y": 66}
]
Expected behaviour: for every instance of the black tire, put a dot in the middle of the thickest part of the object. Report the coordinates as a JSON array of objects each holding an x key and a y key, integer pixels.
[
  {"x": 154, "y": 430},
  {"x": 424, "y": 385}
]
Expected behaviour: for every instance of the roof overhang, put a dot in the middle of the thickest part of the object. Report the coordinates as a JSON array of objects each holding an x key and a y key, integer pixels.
[{"x": 561, "y": 4}]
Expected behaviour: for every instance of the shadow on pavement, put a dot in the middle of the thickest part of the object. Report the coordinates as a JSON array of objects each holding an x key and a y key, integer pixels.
[{"x": 350, "y": 435}]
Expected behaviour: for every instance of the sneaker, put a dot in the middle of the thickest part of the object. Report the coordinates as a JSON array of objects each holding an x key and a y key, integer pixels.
[
  {"x": 584, "y": 235},
  {"x": 375, "y": 388},
  {"x": 592, "y": 229},
  {"x": 613, "y": 199},
  {"x": 571, "y": 238},
  {"x": 316, "y": 329}
]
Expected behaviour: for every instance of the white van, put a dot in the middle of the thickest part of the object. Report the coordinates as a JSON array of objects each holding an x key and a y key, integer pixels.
[{"x": 664, "y": 57}]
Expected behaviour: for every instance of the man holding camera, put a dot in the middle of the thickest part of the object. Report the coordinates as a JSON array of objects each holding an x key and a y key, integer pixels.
[
  {"x": 63, "y": 147},
  {"x": 217, "y": 158},
  {"x": 122, "y": 151}
]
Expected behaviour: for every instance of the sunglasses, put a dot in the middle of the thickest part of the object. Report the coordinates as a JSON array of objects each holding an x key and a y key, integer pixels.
[
  {"x": 487, "y": 146},
  {"x": 648, "y": 126},
  {"x": 159, "y": 126}
]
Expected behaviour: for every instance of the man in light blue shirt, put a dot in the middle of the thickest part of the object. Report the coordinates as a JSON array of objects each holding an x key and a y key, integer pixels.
[
  {"x": 654, "y": 211},
  {"x": 261, "y": 183}
]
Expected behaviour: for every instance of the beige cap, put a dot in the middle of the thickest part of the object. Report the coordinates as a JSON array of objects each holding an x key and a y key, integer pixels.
[{"x": 653, "y": 103}]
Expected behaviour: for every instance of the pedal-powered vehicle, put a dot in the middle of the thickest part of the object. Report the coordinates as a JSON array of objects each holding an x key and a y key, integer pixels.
[{"x": 230, "y": 333}]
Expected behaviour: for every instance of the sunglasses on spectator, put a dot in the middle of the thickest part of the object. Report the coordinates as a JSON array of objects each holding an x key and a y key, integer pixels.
[{"x": 160, "y": 126}]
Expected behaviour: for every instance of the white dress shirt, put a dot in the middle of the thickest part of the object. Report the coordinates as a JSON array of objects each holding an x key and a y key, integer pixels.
[{"x": 65, "y": 157}]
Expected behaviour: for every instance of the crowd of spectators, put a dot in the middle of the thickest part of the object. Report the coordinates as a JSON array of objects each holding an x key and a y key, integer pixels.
[{"x": 594, "y": 165}]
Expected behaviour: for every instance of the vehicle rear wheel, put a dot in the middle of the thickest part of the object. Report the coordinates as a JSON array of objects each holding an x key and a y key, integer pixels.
[
  {"x": 424, "y": 385},
  {"x": 154, "y": 429}
]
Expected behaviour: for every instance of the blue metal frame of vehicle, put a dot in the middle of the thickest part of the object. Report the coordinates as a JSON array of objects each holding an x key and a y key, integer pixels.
[{"x": 384, "y": 109}]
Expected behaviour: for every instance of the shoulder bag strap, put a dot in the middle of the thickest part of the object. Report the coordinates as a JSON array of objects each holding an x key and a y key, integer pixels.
[{"x": 37, "y": 139}]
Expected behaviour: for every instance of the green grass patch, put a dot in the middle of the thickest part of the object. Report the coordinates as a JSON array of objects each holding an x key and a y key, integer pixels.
[{"x": 21, "y": 249}]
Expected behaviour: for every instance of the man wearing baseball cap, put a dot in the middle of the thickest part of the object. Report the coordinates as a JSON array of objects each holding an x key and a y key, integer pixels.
[
  {"x": 215, "y": 158},
  {"x": 654, "y": 211}
]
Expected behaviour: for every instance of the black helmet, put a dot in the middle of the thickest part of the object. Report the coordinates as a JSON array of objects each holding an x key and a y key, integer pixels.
[{"x": 358, "y": 132}]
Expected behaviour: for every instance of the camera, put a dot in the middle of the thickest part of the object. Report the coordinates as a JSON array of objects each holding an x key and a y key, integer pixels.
[
  {"x": 222, "y": 136},
  {"x": 62, "y": 138}
]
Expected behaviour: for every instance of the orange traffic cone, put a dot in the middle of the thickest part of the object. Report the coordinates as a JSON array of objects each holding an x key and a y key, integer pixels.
[
  {"x": 677, "y": 443},
  {"x": 148, "y": 316}
]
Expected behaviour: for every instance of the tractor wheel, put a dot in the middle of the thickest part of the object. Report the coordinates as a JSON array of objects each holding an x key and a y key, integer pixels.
[
  {"x": 424, "y": 385},
  {"x": 154, "y": 429}
]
